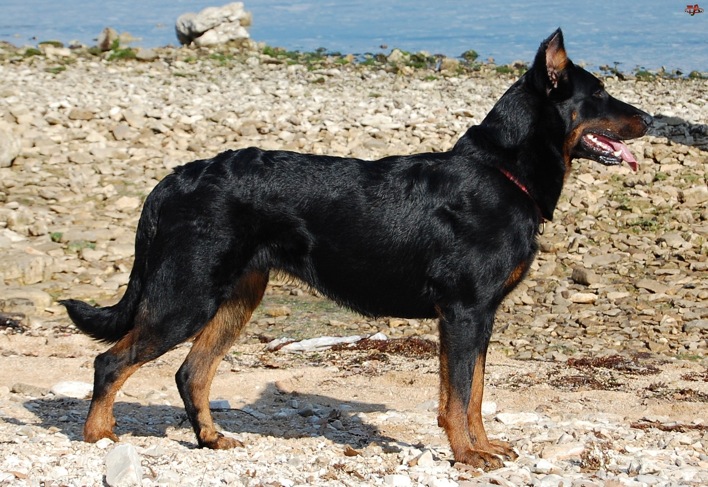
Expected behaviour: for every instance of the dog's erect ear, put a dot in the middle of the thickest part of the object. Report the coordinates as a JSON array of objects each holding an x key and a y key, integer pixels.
[{"x": 551, "y": 62}]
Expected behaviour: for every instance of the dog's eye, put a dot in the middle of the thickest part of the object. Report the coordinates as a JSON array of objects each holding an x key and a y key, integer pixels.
[{"x": 599, "y": 93}]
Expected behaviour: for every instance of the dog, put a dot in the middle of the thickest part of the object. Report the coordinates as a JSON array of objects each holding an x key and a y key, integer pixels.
[{"x": 435, "y": 235}]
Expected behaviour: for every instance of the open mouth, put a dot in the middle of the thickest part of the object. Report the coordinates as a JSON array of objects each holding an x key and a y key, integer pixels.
[{"x": 608, "y": 151}]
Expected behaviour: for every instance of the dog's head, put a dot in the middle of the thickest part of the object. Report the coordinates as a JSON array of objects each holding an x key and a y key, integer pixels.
[{"x": 595, "y": 122}]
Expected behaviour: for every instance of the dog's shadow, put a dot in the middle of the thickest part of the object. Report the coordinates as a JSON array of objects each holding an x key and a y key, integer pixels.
[
  {"x": 680, "y": 131},
  {"x": 276, "y": 413}
]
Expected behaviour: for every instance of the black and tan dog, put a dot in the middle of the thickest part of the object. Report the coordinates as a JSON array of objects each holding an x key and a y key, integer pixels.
[{"x": 440, "y": 235}]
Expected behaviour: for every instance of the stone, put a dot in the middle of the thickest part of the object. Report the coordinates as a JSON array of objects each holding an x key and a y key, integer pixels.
[
  {"x": 221, "y": 34},
  {"x": 564, "y": 451},
  {"x": 75, "y": 389},
  {"x": 25, "y": 268},
  {"x": 219, "y": 404},
  {"x": 24, "y": 299},
  {"x": 133, "y": 119},
  {"x": 583, "y": 298},
  {"x": 397, "y": 57},
  {"x": 91, "y": 255},
  {"x": 544, "y": 466},
  {"x": 674, "y": 240},
  {"x": 651, "y": 285},
  {"x": 695, "y": 325},
  {"x": 106, "y": 39},
  {"x": 443, "y": 482},
  {"x": 9, "y": 148},
  {"x": 424, "y": 460},
  {"x": 143, "y": 54},
  {"x": 517, "y": 418},
  {"x": 122, "y": 132},
  {"x": 219, "y": 24},
  {"x": 600, "y": 260},
  {"x": 584, "y": 276},
  {"x": 127, "y": 203},
  {"x": 397, "y": 480},
  {"x": 489, "y": 408},
  {"x": 695, "y": 196},
  {"x": 278, "y": 311},
  {"x": 449, "y": 65},
  {"x": 53, "y": 52},
  {"x": 28, "y": 390},
  {"x": 104, "y": 443},
  {"x": 123, "y": 468},
  {"x": 81, "y": 114}
]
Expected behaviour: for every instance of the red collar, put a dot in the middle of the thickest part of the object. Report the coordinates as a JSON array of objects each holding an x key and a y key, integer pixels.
[{"x": 523, "y": 188}]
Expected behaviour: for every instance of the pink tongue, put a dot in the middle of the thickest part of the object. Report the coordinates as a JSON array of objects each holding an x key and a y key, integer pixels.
[{"x": 617, "y": 145}]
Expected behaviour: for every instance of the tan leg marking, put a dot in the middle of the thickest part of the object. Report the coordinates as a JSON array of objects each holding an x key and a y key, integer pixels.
[
  {"x": 478, "y": 434},
  {"x": 209, "y": 348},
  {"x": 100, "y": 420},
  {"x": 454, "y": 418}
]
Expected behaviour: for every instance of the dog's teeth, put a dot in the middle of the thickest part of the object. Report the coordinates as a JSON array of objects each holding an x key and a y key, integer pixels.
[{"x": 617, "y": 153}]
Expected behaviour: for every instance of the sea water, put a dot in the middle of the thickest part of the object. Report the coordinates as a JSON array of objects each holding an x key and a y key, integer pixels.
[{"x": 647, "y": 34}]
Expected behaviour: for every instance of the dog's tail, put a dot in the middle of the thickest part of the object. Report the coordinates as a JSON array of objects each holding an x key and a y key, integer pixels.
[{"x": 111, "y": 323}]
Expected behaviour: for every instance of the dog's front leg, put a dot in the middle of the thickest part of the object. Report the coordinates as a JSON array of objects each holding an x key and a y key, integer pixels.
[
  {"x": 464, "y": 336},
  {"x": 474, "y": 413}
]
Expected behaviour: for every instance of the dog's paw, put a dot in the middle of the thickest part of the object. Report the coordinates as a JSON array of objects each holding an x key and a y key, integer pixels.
[
  {"x": 478, "y": 459},
  {"x": 501, "y": 448},
  {"x": 221, "y": 442},
  {"x": 92, "y": 436}
]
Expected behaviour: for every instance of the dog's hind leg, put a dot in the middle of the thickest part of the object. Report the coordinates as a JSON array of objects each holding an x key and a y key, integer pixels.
[
  {"x": 210, "y": 345},
  {"x": 113, "y": 367}
]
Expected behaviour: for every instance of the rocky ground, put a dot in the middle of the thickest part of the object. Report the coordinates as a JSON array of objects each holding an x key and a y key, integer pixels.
[{"x": 598, "y": 370}]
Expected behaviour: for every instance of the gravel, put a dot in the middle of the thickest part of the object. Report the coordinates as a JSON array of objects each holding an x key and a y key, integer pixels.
[{"x": 622, "y": 273}]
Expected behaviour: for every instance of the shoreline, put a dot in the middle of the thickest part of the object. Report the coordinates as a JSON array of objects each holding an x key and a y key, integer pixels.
[{"x": 466, "y": 62}]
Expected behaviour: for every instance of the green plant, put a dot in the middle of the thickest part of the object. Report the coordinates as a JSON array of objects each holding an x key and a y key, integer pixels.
[
  {"x": 52, "y": 43},
  {"x": 470, "y": 56},
  {"x": 221, "y": 58},
  {"x": 76, "y": 245},
  {"x": 32, "y": 51},
  {"x": 692, "y": 357},
  {"x": 644, "y": 75},
  {"x": 645, "y": 224},
  {"x": 118, "y": 53},
  {"x": 55, "y": 69},
  {"x": 420, "y": 61}
]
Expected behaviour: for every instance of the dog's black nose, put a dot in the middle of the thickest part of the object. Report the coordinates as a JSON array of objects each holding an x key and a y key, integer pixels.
[{"x": 647, "y": 119}]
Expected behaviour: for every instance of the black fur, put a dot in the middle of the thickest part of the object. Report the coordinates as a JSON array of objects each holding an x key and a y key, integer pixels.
[{"x": 438, "y": 235}]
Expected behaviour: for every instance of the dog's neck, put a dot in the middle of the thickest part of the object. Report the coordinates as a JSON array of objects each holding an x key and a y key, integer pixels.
[
  {"x": 531, "y": 148},
  {"x": 523, "y": 188}
]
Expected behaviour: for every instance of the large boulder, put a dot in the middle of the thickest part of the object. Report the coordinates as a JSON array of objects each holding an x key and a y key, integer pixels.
[
  {"x": 106, "y": 39},
  {"x": 9, "y": 147},
  {"x": 214, "y": 25}
]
